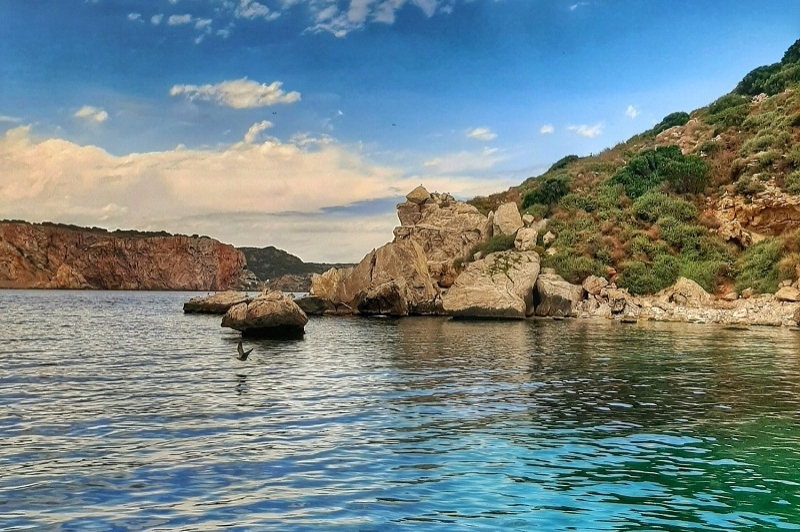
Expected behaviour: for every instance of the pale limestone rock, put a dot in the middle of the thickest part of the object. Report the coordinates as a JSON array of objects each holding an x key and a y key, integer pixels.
[
  {"x": 594, "y": 284},
  {"x": 271, "y": 314},
  {"x": 218, "y": 303},
  {"x": 507, "y": 219},
  {"x": 617, "y": 299},
  {"x": 686, "y": 292},
  {"x": 554, "y": 294},
  {"x": 548, "y": 238},
  {"x": 419, "y": 195},
  {"x": 528, "y": 220},
  {"x": 497, "y": 286},
  {"x": 730, "y": 296},
  {"x": 787, "y": 293},
  {"x": 525, "y": 239}
]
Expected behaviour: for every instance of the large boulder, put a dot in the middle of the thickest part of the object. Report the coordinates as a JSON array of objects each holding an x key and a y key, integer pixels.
[
  {"x": 218, "y": 303},
  {"x": 499, "y": 285},
  {"x": 507, "y": 219},
  {"x": 554, "y": 296},
  {"x": 788, "y": 293},
  {"x": 361, "y": 287},
  {"x": 594, "y": 284},
  {"x": 525, "y": 239},
  {"x": 315, "y": 306},
  {"x": 272, "y": 314},
  {"x": 686, "y": 293}
]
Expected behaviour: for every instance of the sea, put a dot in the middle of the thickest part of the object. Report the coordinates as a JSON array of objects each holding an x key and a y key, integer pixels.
[{"x": 118, "y": 412}]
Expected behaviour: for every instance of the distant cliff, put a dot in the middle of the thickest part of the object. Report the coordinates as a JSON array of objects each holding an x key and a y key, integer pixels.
[
  {"x": 64, "y": 256},
  {"x": 270, "y": 262}
]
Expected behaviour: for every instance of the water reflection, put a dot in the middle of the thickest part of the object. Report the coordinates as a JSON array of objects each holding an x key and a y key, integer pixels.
[{"x": 126, "y": 420}]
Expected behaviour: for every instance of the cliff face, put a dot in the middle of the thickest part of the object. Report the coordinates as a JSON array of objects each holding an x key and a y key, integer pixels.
[{"x": 56, "y": 256}]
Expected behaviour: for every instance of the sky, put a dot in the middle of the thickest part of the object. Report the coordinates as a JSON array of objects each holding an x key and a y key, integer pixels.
[{"x": 302, "y": 123}]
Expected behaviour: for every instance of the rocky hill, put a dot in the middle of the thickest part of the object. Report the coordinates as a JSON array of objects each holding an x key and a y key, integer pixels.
[
  {"x": 712, "y": 195},
  {"x": 271, "y": 262},
  {"x": 63, "y": 256}
]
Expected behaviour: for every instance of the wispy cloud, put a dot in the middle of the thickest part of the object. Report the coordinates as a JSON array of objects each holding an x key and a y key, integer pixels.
[
  {"x": 255, "y": 130},
  {"x": 239, "y": 94},
  {"x": 481, "y": 133},
  {"x": 587, "y": 131},
  {"x": 135, "y": 17},
  {"x": 179, "y": 20},
  {"x": 156, "y": 19},
  {"x": 251, "y": 9},
  {"x": 10, "y": 119},
  {"x": 575, "y": 7},
  {"x": 631, "y": 112},
  {"x": 93, "y": 114},
  {"x": 547, "y": 129}
]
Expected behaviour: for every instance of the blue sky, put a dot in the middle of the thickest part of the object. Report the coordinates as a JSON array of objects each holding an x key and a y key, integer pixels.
[{"x": 299, "y": 123}]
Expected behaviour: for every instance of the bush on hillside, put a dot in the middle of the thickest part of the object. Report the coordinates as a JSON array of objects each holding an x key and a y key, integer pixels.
[
  {"x": 648, "y": 169},
  {"x": 549, "y": 190},
  {"x": 562, "y": 163},
  {"x": 574, "y": 268},
  {"x": 757, "y": 267},
  {"x": 671, "y": 120},
  {"x": 653, "y": 205}
]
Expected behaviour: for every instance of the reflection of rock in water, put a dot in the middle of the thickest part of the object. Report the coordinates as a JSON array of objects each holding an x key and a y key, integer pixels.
[{"x": 241, "y": 384}]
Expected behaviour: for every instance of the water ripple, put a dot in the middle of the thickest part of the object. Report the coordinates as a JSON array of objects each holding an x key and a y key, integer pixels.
[{"x": 118, "y": 412}]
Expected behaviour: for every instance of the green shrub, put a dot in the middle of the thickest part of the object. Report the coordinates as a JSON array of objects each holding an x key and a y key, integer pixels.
[
  {"x": 757, "y": 266},
  {"x": 653, "y": 205},
  {"x": 537, "y": 211},
  {"x": 562, "y": 163},
  {"x": 645, "y": 171},
  {"x": 640, "y": 278},
  {"x": 671, "y": 120},
  {"x": 703, "y": 273},
  {"x": 792, "y": 183},
  {"x": 755, "y": 82},
  {"x": 582, "y": 202},
  {"x": 574, "y": 268},
  {"x": 491, "y": 245},
  {"x": 759, "y": 143},
  {"x": 549, "y": 190},
  {"x": 748, "y": 186}
]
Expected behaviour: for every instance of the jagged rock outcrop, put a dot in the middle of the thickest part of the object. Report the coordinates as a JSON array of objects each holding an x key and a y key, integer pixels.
[
  {"x": 290, "y": 283},
  {"x": 270, "y": 315},
  {"x": 218, "y": 303},
  {"x": 315, "y": 306},
  {"x": 788, "y": 293},
  {"x": 769, "y": 212},
  {"x": 499, "y": 285},
  {"x": 554, "y": 296},
  {"x": 58, "y": 256},
  {"x": 398, "y": 270},
  {"x": 525, "y": 239},
  {"x": 444, "y": 228}
]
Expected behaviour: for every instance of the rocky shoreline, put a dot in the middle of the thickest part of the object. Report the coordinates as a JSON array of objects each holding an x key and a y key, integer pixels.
[{"x": 442, "y": 263}]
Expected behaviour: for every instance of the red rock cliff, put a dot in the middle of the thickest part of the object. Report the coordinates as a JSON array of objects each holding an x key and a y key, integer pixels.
[{"x": 58, "y": 256}]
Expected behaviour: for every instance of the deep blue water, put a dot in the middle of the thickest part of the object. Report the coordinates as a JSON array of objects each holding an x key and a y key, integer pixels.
[{"x": 119, "y": 412}]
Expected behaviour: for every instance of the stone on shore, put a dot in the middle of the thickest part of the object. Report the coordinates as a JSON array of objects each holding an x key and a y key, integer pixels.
[
  {"x": 498, "y": 286},
  {"x": 787, "y": 293},
  {"x": 594, "y": 284},
  {"x": 507, "y": 219},
  {"x": 687, "y": 293},
  {"x": 270, "y": 315},
  {"x": 218, "y": 303},
  {"x": 315, "y": 306},
  {"x": 525, "y": 239},
  {"x": 554, "y": 295}
]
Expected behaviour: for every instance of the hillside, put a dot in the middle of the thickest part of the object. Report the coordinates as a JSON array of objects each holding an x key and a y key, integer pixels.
[
  {"x": 271, "y": 262},
  {"x": 712, "y": 195}
]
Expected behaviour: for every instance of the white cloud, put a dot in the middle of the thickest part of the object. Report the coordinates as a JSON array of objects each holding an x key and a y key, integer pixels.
[
  {"x": 481, "y": 133},
  {"x": 203, "y": 24},
  {"x": 134, "y": 16},
  {"x": 239, "y": 94},
  {"x": 179, "y": 20},
  {"x": 255, "y": 130},
  {"x": 94, "y": 114},
  {"x": 547, "y": 129},
  {"x": 9, "y": 119},
  {"x": 631, "y": 112},
  {"x": 173, "y": 2},
  {"x": 156, "y": 19},
  {"x": 587, "y": 131},
  {"x": 271, "y": 193},
  {"x": 251, "y": 9},
  {"x": 328, "y": 17},
  {"x": 464, "y": 162},
  {"x": 574, "y": 7}
]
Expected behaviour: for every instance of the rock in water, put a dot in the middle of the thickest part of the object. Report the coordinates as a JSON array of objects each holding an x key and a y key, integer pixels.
[
  {"x": 218, "y": 303},
  {"x": 315, "y": 306},
  {"x": 270, "y": 315},
  {"x": 554, "y": 295},
  {"x": 498, "y": 286}
]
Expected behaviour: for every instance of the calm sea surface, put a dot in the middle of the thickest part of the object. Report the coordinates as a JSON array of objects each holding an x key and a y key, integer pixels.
[{"x": 119, "y": 412}]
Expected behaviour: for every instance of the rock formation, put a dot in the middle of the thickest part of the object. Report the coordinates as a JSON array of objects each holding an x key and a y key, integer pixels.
[
  {"x": 499, "y": 285},
  {"x": 270, "y": 315},
  {"x": 218, "y": 303},
  {"x": 556, "y": 297},
  {"x": 506, "y": 220},
  {"x": 58, "y": 256}
]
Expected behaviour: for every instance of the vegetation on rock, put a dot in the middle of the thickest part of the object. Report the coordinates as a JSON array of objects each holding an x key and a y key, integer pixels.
[{"x": 647, "y": 211}]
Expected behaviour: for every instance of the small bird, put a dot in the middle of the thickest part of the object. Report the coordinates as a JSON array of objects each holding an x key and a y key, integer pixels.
[{"x": 242, "y": 353}]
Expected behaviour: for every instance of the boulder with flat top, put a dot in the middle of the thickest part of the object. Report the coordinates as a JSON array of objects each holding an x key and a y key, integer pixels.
[
  {"x": 218, "y": 303},
  {"x": 270, "y": 315}
]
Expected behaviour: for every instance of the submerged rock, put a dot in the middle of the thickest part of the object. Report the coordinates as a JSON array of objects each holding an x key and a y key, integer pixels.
[
  {"x": 218, "y": 303},
  {"x": 497, "y": 286},
  {"x": 270, "y": 315}
]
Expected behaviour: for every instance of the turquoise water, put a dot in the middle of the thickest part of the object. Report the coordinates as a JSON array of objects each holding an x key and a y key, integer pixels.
[{"x": 118, "y": 412}]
